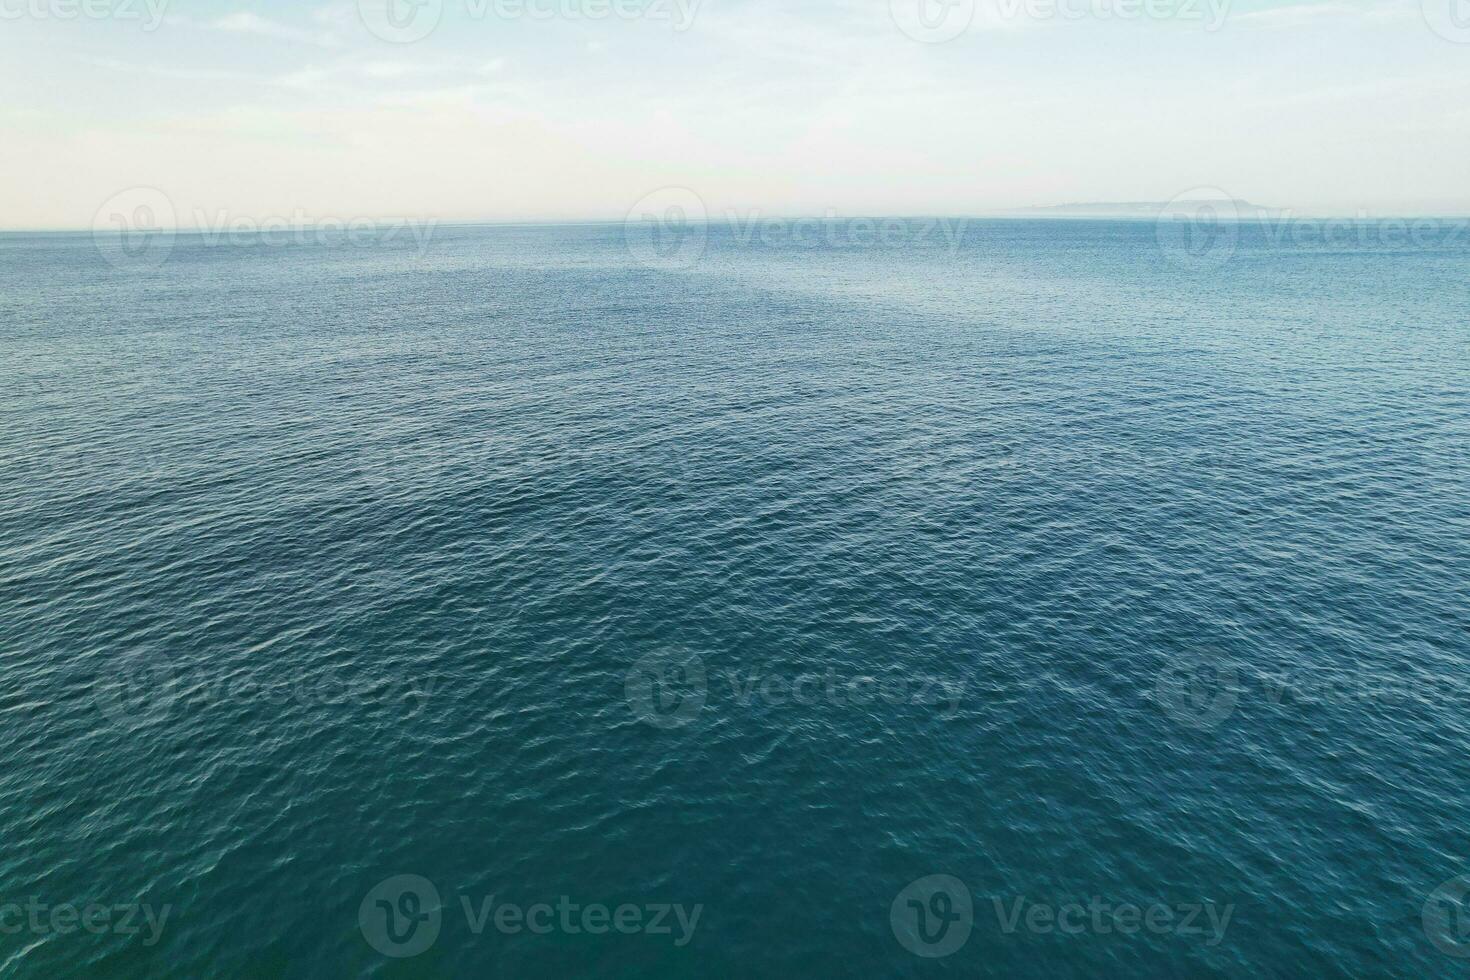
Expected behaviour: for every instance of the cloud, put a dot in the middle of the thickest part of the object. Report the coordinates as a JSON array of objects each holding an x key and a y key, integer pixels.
[
  {"x": 173, "y": 73},
  {"x": 391, "y": 69},
  {"x": 341, "y": 77},
  {"x": 245, "y": 22},
  {"x": 1302, "y": 14}
]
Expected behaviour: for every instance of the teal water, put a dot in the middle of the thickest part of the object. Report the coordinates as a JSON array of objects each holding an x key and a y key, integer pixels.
[{"x": 765, "y": 584}]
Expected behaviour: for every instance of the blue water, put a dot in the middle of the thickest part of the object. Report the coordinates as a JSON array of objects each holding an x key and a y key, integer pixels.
[{"x": 494, "y": 563}]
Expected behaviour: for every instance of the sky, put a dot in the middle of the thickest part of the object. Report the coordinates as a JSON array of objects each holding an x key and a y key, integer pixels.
[{"x": 510, "y": 110}]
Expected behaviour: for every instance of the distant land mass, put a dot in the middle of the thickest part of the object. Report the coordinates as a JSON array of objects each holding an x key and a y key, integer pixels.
[{"x": 1145, "y": 209}]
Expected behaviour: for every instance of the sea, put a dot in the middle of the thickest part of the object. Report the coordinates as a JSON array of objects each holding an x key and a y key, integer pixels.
[{"x": 1016, "y": 598}]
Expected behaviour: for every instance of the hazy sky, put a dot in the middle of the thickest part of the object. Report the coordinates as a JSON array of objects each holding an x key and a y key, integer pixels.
[{"x": 525, "y": 109}]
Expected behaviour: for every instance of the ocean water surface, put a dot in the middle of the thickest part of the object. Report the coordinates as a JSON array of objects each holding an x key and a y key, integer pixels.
[{"x": 732, "y": 594}]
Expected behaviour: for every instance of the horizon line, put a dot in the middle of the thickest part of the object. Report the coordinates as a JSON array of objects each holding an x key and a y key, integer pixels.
[{"x": 1029, "y": 213}]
